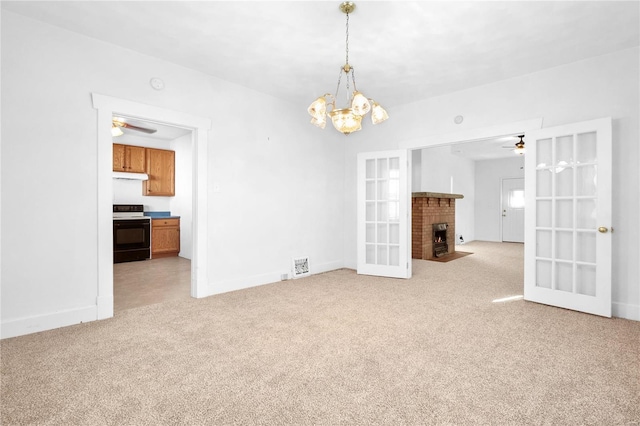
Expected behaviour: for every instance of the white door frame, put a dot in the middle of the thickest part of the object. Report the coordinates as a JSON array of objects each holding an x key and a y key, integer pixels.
[{"x": 107, "y": 106}]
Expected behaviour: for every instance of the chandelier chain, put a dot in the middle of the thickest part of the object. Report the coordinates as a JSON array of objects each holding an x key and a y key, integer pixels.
[
  {"x": 353, "y": 77},
  {"x": 347, "y": 67},
  {"x": 347, "y": 41},
  {"x": 338, "y": 85}
]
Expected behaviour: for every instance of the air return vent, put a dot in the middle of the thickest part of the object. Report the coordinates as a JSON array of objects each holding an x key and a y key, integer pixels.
[{"x": 300, "y": 267}]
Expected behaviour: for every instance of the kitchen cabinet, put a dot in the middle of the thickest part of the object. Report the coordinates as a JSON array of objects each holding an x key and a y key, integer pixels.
[
  {"x": 165, "y": 237},
  {"x": 161, "y": 170},
  {"x": 128, "y": 158}
]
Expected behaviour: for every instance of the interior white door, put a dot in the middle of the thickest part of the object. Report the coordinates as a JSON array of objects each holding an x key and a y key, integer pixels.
[
  {"x": 568, "y": 216},
  {"x": 384, "y": 240},
  {"x": 513, "y": 210}
]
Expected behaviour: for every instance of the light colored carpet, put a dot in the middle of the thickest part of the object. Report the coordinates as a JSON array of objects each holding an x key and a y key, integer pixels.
[{"x": 336, "y": 348}]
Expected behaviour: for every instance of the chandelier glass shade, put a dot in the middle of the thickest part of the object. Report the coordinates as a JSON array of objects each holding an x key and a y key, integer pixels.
[
  {"x": 519, "y": 150},
  {"x": 348, "y": 119}
]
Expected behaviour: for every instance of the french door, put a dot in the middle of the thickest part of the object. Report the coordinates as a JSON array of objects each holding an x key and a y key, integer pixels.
[
  {"x": 383, "y": 214},
  {"x": 568, "y": 216}
]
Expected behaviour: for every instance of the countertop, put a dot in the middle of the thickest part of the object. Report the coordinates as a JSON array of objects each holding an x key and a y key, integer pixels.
[{"x": 161, "y": 215}]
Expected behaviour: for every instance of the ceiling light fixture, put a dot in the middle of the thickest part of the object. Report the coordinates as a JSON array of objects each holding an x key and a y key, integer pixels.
[
  {"x": 519, "y": 150},
  {"x": 348, "y": 119},
  {"x": 116, "y": 131}
]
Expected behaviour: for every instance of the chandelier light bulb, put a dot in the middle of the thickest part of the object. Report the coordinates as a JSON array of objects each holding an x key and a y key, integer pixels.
[{"x": 345, "y": 121}]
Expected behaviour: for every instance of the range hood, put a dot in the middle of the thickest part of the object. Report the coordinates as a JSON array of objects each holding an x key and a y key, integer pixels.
[{"x": 130, "y": 176}]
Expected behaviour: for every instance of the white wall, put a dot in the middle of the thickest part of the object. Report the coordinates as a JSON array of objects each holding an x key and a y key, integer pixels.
[
  {"x": 441, "y": 171},
  {"x": 605, "y": 86},
  {"x": 281, "y": 181},
  {"x": 488, "y": 180}
]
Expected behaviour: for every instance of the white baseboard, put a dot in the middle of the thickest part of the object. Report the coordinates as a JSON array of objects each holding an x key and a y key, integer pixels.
[
  {"x": 626, "y": 311},
  {"x": 35, "y": 324},
  {"x": 326, "y": 267},
  {"x": 262, "y": 279}
]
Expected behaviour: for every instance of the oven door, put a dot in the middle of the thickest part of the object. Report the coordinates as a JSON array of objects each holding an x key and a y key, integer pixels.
[{"x": 131, "y": 239}]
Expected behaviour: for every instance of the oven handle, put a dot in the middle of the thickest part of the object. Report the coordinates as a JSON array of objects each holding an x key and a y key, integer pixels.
[{"x": 144, "y": 225}]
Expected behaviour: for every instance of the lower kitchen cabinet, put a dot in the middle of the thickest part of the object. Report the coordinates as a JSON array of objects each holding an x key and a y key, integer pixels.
[{"x": 165, "y": 237}]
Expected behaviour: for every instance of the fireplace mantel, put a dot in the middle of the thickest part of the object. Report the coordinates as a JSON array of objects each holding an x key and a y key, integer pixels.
[{"x": 435, "y": 195}]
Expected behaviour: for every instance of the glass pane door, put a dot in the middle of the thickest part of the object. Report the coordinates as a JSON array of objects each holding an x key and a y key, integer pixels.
[
  {"x": 382, "y": 212},
  {"x": 567, "y": 250}
]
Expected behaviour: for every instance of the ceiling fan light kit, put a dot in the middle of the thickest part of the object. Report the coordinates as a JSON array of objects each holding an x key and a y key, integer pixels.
[
  {"x": 116, "y": 131},
  {"x": 117, "y": 124},
  {"x": 349, "y": 119},
  {"x": 519, "y": 146},
  {"x": 519, "y": 150}
]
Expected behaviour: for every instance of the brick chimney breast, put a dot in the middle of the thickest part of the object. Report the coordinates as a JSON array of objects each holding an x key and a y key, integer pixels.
[{"x": 428, "y": 208}]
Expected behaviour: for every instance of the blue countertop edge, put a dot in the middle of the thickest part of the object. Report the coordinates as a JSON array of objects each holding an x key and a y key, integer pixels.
[{"x": 162, "y": 215}]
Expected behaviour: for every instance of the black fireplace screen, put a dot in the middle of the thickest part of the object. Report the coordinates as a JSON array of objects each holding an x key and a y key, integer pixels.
[{"x": 440, "y": 246}]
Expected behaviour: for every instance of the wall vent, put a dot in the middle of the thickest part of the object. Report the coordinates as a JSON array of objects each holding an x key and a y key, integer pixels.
[{"x": 300, "y": 266}]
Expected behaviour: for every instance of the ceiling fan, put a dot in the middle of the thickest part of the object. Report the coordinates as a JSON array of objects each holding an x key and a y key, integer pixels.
[
  {"x": 117, "y": 124},
  {"x": 519, "y": 146}
]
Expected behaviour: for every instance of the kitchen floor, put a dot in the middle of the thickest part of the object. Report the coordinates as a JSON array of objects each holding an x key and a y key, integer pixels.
[{"x": 152, "y": 281}]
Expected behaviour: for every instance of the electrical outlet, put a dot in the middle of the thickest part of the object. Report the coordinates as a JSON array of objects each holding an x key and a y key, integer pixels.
[{"x": 284, "y": 277}]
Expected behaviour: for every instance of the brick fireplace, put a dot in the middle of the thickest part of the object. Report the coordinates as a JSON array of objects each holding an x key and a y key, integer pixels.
[{"x": 429, "y": 209}]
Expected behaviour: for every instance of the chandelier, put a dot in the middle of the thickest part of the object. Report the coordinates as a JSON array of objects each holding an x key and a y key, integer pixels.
[{"x": 348, "y": 119}]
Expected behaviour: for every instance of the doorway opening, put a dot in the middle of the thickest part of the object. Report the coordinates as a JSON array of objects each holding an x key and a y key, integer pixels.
[
  {"x": 473, "y": 169},
  {"x": 165, "y": 273},
  {"x": 199, "y": 127}
]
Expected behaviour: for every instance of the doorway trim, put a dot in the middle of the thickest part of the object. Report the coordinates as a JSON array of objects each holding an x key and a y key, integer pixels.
[
  {"x": 107, "y": 106},
  {"x": 469, "y": 135}
]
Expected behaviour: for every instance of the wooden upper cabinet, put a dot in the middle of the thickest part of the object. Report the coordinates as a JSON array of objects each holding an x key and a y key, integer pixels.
[
  {"x": 127, "y": 158},
  {"x": 118, "y": 158},
  {"x": 135, "y": 158},
  {"x": 161, "y": 171}
]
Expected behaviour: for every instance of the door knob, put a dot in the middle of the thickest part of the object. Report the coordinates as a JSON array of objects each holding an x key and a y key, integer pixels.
[{"x": 603, "y": 229}]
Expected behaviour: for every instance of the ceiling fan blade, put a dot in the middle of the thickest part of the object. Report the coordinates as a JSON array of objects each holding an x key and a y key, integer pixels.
[{"x": 139, "y": 129}]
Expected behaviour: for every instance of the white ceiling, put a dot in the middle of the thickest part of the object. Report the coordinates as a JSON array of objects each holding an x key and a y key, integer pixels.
[
  {"x": 402, "y": 51},
  {"x": 487, "y": 149}
]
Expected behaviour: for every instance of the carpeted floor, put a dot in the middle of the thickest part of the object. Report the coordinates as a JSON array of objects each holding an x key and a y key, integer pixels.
[{"x": 336, "y": 349}]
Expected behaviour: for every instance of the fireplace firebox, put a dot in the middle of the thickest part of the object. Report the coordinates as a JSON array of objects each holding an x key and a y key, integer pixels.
[{"x": 440, "y": 246}]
